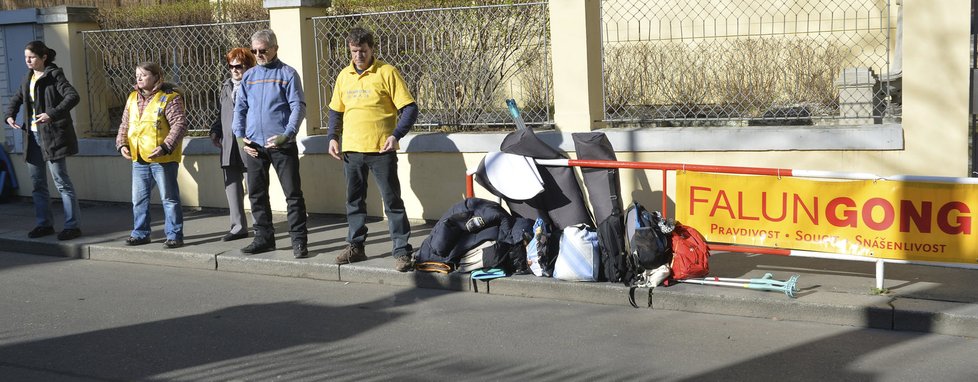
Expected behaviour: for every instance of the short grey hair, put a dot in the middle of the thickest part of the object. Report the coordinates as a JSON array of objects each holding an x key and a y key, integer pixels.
[{"x": 266, "y": 36}]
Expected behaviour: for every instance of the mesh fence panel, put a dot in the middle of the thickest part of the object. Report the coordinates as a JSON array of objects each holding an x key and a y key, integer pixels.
[
  {"x": 459, "y": 63},
  {"x": 192, "y": 57},
  {"x": 754, "y": 62}
]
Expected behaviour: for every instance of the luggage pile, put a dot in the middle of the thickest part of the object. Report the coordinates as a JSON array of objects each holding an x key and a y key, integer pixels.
[{"x": 548, "y": 228}]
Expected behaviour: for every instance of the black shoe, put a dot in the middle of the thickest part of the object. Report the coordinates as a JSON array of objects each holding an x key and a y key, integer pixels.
[
  {"x": 69, "y": 233},
  {"x": 259, "y": 246},
  {"x": 137, "y": 241},
  {"x": 235, "y": 236},
  {"x": 170, "y": 244},
  {"x": 300, "y": 251},
  {"x": 40, "y": 231}
]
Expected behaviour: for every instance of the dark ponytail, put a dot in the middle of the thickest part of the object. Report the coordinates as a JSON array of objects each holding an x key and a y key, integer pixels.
[{"x": 37, "y": 47}]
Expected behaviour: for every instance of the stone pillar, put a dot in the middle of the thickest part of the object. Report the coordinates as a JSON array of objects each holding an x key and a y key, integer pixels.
[
  {"x": 297, "y": 48},
  {"x": 62, "y": 26},
  {"x": 575, "y": 30},
  {"x": 936, "y": 36},
  {"x": 858, "y": 100}
]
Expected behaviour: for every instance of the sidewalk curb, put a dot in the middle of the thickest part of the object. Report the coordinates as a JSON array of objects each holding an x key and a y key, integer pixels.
[
  {"x": 811, "y": 305},
  {"x": 548, "y": 288},
  {"x": 47, "y": 246},
  {"x": 944, "y": 317},
  {"x": 379, "y": 271},
  {"x": 153, "y": 254},
  {"x": 825, "y": 307},
  {"x": 277, "y": 263}
]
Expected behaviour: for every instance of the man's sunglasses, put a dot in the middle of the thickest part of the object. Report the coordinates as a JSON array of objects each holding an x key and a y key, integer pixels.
[
  {"x": 259, "y": 51},
  {"x": 239, "y": 67}
]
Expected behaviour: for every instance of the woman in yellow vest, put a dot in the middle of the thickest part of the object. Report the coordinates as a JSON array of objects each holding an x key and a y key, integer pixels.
[{"x": 151, "y": 135}]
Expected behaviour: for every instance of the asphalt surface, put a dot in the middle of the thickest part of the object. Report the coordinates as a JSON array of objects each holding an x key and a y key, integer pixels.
[
  {"x": 917, "y": 298},
  {"x": 71, "y": 320}
]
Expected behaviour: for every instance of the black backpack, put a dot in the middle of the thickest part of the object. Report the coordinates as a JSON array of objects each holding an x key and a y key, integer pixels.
[
  {"x": 650, "y": 244},
  {"x": 614, "y": 254}
]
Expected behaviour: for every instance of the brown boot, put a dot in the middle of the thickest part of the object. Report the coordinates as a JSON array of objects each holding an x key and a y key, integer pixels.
[
  {"x": 352, "y": 254},
  {"x": 404, "y": 263}
]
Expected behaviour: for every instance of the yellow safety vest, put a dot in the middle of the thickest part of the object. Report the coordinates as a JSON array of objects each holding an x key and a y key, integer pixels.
[{"x": 147, "y": 131}]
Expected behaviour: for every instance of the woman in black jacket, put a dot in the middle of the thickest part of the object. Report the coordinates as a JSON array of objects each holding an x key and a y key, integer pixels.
[{"x": 47, "y": 99}]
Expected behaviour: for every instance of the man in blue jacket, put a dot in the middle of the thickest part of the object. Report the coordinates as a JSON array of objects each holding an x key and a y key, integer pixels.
[{"x": 267, "y": 114}]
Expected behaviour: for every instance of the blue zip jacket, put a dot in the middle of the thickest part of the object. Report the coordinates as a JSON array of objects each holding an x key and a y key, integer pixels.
[{"x": 271, "y": 103}]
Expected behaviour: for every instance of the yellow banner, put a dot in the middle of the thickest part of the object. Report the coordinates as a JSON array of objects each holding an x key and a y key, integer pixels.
[{"x": 882, "y": 219}]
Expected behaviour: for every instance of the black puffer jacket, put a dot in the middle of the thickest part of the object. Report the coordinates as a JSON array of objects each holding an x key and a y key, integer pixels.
[
  {"x": 55, "y": 96},
  {"x": 449, "y": 238}
]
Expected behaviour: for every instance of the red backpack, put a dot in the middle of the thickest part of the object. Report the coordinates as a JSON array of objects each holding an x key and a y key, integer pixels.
[{"x": 690, "y": 253}]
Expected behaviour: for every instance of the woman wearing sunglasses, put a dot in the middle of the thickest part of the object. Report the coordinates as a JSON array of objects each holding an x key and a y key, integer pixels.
[{"x": 239, "y": 60}]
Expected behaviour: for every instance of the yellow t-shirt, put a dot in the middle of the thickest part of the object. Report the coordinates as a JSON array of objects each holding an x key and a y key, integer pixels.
[{"x": 369, "y": 103}]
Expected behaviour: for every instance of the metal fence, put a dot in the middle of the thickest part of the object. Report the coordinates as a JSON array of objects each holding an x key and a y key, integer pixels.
[
  {"x": 192, "y": 57},
  {"x": 748, "y": 62},
  {"x": 459, "y": 63}
]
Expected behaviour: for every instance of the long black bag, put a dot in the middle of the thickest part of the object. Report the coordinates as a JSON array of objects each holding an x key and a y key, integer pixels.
[
  {"x": 604, "y": 193},
  {"x": 561, "y": 200}
]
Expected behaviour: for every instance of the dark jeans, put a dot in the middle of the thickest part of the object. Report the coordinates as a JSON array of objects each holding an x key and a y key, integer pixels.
[
  {"x": 384, "y": 167},
  {"x": 38, "y": 167},
  {"x": 286, "y": 162}
]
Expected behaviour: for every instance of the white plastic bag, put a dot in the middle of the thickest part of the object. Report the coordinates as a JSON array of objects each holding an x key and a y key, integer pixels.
[
  {"x": 533, "y": 248},
  {"x": 579, "y": 257}
]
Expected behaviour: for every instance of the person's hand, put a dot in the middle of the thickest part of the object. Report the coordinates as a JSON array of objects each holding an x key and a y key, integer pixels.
[
  {"x": 248, "y": 149},
  {"x": 334, "y": 149},
  {"x": 12, "y": 123},
  {"x": 125, "y": 153},
  {"x": 216, "y": 140},
  {"x": 158, "y": 151},
  {"x": 42, "y": 118},
  {"x": 389, "y": 144},
  {"x": 275, "y": 141}
]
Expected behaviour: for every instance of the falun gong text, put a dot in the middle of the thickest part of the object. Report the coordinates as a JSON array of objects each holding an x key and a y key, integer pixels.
[{"x": 881, "y": 219}]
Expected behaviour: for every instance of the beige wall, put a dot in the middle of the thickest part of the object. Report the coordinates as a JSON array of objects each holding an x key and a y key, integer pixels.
[
  {"x": 935, "y": 67},
  {"x": 934, "y": 139},
  {"x": 431, "y": 182},
  {"x": 62, "y": 37}
]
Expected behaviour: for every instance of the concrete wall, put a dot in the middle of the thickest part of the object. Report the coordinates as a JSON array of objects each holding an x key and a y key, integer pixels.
[{"x": 932, "y": 139}]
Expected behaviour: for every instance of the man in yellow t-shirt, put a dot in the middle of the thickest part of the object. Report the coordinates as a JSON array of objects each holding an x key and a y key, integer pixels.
[{"x": 370, "y": 111}]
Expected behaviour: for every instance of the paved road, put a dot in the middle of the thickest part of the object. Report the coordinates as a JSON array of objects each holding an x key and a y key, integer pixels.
[{"x": 77, "y": 320}]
